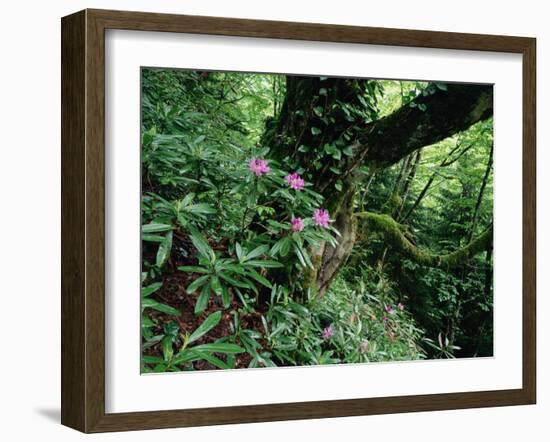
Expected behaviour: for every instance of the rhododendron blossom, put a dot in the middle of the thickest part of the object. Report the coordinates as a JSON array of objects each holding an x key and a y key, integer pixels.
[
  {"x": 328, "y": 332},
  {"x": 321, "y": 218},
  {"x": 390, "y": 309},
  {"x": 295, "y": 181},
  {"x": 297, "y": 224},
  {"x": 258, "y": 166},
  {"x": 400, "y": 306}
]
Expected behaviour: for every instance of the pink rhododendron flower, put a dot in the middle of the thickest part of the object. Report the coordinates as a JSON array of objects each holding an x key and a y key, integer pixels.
[
  {"x": 390, "y": 309},
  {"x": 328, "y": 332},
  {"x": 297, "y": 224},
  {"x": 258, "y": 166},
  {"x": 400, "y": 306},
  {"x": 321, "y": 218},
  {"x": 295, "y": 181}
]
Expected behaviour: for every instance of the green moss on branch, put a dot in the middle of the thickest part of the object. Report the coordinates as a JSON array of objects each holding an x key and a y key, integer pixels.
[{"x": 386, "y": 226}]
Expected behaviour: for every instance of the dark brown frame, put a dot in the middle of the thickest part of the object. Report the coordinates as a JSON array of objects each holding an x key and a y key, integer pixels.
[{"x": 83, "y": 215}]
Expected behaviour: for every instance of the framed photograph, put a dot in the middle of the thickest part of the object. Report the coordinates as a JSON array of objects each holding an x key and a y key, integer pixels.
[{"x": 266, "y": 221}]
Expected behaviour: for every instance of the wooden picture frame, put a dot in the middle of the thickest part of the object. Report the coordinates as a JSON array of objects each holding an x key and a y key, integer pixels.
[{"x": 83, "y": 216}]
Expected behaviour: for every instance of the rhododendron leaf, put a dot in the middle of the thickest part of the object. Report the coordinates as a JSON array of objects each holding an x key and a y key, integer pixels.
[
  {"x": 202, "y": 300},
  {"x": 164, "y": 250},
  {"x": 199, "y": 282},
  {"x": 315, "y": 130},
  {"x": 226, "y": 301},
  {"x": 201, "y": 244},
  {"x": 155, "y": 228},
  {"x": 193, "y": 269},
  {"x": 210, "y": 358},
  {"x": 152, "y": 238},
  {"x": 151, "y": 303},
  {"x": 150, "y": 289},
  {"x": 262, "y": 263},
  {"x": 238, "y": 251},
  {"x": 260, "y": 250},
  {"x": 167, "y": 349},
  {"x": 285, "y": 247},
  {"x": 300, "y": 257},
  {"x": 254, "y": 274},
  {"x": 201, "y": 209},
  {"x": 348, "y": 151},
  {"x": 215, "y": 285},
  {"x": 208, "y": 324},
  {"x": 233, "y": 281},
  {"x": 219, "y": 348}
]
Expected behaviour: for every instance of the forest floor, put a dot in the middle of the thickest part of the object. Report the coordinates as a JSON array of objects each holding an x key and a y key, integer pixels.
[{"x": 173, "y": 293}]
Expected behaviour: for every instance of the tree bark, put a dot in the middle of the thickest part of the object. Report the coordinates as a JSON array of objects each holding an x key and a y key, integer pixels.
[{"x": 410, "y": 128}]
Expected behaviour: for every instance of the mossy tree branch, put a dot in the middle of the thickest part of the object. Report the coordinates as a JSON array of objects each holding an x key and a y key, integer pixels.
[
  {"x": 386, "y": 226},
  {"x": 432, "y": 118}
]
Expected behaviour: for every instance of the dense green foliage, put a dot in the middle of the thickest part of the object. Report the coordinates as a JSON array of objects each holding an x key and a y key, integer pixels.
[{"x": 234, "y": 243}]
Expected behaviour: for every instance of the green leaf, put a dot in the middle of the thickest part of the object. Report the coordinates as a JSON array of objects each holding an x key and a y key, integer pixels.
[
  {"x": 260, "y": 250},
  {"x": 167, "y": 349},
  {"x": 264, "y": 263},
  {"x": 348, "y": 151},
  {"x": 152, "y": 238},
  {"x": 226, "y": 300},
  {"x": 151, "y": 303},
  {"x": 238, "y": 251},
  {"x": 199, "y": 282},
  {"x": 201, "y": 244},
  {"x": 318, "y": 110},
  {"x": 208, "y": 324},
  {"x": 285, "y": 249},
  {"x": 219, "y": 348},
  {"x": 315, "y": 130},
  {"x": 164, "y": 250},
  {"x": 300, "y": 257},
  {"x": 211, "y": 358},
  {"x": 201, "y": 209},
  {"x": 155, "y": 228},
  {"x": 193, "y": 269},
  {"x": 254, "y": 274},
  {"x": 202, "y": 300},
  {"x": 234, "y": 281},
  {"x": 151, "y": 359},
  {"x": 184, "y": 356},
  {"x": 323, "y": 91},
  {"x": 147, "y": 322},
  {"x": 146, "y": 291}
]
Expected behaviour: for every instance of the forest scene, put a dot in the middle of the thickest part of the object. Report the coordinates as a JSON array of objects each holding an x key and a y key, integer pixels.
[{"x": 306, "y": 220}]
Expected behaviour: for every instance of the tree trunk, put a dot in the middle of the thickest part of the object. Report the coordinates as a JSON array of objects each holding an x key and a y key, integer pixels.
[{"x": 329, "y": 127}]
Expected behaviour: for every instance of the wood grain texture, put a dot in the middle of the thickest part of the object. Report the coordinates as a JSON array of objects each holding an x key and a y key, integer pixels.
[
  {"x": 73, "y": 254},
  {"x": 83, "y": 219}
]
